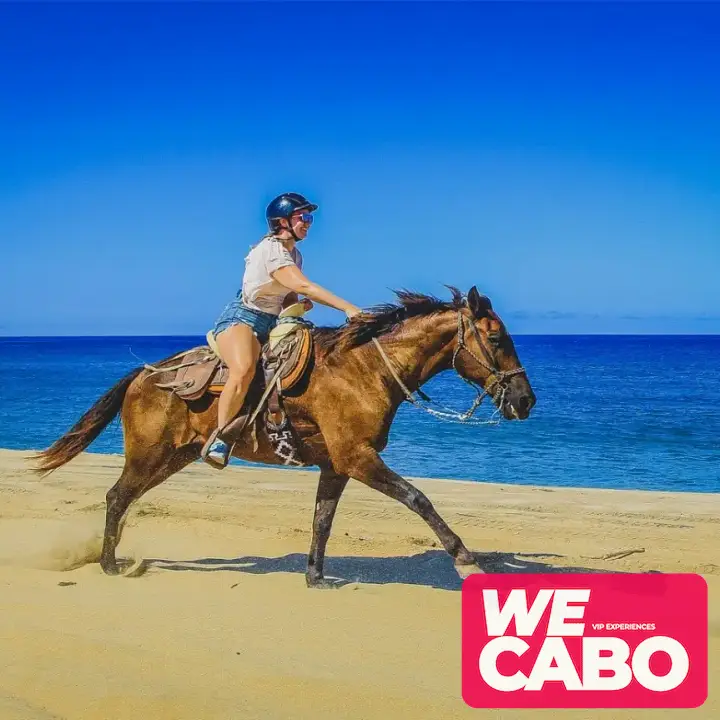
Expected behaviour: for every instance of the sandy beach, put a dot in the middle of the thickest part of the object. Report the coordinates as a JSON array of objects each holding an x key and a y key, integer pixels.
[{"x": 222, "y": 626}]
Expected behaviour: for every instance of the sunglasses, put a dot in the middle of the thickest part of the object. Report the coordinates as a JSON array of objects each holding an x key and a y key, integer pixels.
[{"x": 305, "y": 218}]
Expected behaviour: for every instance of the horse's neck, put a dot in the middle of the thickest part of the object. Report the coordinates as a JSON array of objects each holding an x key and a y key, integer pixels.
[{"x": 420, "y": 349}]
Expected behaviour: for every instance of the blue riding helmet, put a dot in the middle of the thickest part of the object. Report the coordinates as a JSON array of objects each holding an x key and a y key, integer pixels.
[{"x": 283, "y": 206}]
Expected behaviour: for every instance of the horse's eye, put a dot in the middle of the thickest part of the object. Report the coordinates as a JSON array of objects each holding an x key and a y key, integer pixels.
[{"x": 494, "y": 338}]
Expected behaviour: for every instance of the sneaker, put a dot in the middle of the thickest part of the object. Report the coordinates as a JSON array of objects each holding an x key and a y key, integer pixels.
[{"x": 218, "y": 454}]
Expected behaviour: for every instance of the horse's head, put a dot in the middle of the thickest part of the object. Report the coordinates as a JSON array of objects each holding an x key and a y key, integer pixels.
[{"x": 485, "y": 354}]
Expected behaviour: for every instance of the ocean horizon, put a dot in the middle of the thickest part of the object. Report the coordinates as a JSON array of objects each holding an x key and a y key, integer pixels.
[{"x": 621, "y": 411}]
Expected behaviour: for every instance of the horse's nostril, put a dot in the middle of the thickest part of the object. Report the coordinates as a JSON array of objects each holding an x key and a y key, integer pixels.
[{"x": 524, "y": 403}]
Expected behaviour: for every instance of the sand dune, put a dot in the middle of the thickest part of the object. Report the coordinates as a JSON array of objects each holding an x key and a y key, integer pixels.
[{"x": 222, "y": 626}]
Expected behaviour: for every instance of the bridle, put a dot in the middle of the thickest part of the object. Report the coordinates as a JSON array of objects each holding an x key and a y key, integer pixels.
[
  {"x": 496, "y": 384},
  {"x": 497, "y": 378}
]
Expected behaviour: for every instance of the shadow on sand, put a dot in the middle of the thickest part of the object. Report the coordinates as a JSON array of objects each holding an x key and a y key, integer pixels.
[{"x": 432, "y": 568}]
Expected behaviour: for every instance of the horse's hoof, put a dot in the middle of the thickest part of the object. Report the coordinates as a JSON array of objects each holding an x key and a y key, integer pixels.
[
  {"x": 465, "y": 571},
  {"x": 324, "y": 583},
  {"x": 134, "y": 568},
  {"x": 110, "y": 569},
  {"x": 125, "y": 567}
]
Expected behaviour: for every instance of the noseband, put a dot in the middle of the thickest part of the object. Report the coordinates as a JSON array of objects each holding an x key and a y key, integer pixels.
[{"x": 497, "y": 379}]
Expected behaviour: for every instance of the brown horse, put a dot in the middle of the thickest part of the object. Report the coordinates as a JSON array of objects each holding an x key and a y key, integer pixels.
[{"x": 344, "y": 410}]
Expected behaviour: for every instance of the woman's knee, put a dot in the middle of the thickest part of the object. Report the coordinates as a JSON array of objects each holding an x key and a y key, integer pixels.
[{"x": 241, "y": 373}]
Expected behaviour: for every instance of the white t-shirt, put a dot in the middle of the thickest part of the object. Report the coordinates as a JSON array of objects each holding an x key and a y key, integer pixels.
[{"x": 259, "y": 290}]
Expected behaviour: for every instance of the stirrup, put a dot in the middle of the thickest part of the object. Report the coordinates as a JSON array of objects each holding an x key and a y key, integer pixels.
[{"x": 204, "y": 453}]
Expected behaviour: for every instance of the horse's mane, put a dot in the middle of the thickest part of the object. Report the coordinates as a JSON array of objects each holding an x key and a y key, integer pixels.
[{"x": 382, "y": 319}]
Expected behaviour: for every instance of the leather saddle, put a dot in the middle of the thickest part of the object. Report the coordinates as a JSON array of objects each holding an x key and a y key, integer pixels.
[
  {"x": 288, "y": 350},
  {"x": 284, "y": 361}
]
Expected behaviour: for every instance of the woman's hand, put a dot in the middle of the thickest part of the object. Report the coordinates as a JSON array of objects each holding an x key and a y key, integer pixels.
[{"x": 352, "y": 311}]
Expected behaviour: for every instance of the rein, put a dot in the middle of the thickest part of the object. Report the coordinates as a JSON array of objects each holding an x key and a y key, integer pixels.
[{"x": 497, "y": 379}]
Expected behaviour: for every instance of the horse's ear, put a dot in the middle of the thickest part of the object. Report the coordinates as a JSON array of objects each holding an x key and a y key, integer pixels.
[{"x": 479, "y": 305}]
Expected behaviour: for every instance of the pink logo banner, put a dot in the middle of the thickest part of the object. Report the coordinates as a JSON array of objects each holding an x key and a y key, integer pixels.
[{"x": 585, "y": 641}]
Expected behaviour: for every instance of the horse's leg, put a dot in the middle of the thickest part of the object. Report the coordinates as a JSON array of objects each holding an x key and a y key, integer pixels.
[
  {"x": 140, "y": 474},
  {"x": 330, "y": 488},
  {"x": 367, "y": 467}
]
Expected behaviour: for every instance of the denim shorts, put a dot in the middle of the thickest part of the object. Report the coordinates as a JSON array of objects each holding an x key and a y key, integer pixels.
[{"x": 236, "y": 313}]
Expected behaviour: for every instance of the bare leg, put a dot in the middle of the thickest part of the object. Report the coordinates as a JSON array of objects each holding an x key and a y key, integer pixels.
[
  {"x": 330, "y": 488},
  {"x": 240, "y": 350},
  {"x": 368, "y": 467}
]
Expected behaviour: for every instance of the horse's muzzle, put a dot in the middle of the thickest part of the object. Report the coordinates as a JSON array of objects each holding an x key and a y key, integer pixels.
[{"x": 519, "y": 400}]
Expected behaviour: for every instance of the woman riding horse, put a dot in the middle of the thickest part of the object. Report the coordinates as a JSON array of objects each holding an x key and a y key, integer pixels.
[{"x": 273, "y": 279}]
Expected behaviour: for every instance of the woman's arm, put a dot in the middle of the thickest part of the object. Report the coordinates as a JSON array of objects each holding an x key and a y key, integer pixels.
[{"x": 294, "y": 280}]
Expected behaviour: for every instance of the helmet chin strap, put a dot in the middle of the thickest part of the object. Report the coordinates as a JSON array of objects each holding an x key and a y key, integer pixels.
[{"x": 292, "y": 231}]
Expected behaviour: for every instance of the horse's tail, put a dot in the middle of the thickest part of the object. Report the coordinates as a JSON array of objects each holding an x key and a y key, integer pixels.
[{"x": 86, "y": 429}]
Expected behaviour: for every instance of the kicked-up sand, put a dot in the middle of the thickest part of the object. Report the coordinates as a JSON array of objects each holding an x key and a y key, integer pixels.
[{"x": 221, "y": 625}]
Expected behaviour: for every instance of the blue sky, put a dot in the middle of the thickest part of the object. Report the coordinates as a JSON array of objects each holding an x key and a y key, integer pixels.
[{"x": 564, "y": 158}]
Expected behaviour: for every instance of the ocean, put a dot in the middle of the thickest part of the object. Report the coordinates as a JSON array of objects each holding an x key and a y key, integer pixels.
[{"x": 621, "y": 411}]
